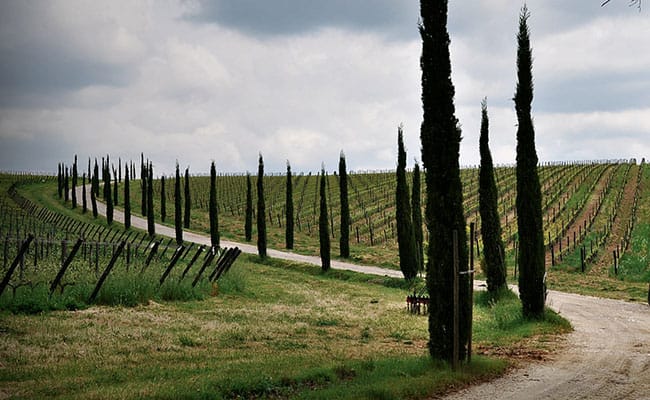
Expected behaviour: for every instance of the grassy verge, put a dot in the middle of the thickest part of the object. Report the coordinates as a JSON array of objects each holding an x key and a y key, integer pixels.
[{"x": 267, "y": 331}]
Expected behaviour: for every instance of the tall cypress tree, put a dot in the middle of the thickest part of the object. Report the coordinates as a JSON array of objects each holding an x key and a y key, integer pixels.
[
  {"x": 529, "y": 198},
  {"x": 493, "y": 250},
  {"x": 178, "y": 217},
  {"x": 108, "y": 195},
  {"x": 288, "y": 233},
  {"x": 95, "y": 180},
  {"x": 84, "y": 202},
  {"x": 127, "y": 198},
  {"x": 408, "y": 260},
  {"x": 344, "y": 242},
  {"x": 151, "y": 225},
  {"x": 261, "y": 210},
  {"x": 144, "y": 179},
  {"x": 115, "y": 187},
  {"x": 74, "y": 182},
  {"x": 188, "y": 202},
  {"x": 66, "y": 185},
  {"x": 248, "y": 223},
  {"x": 440, "y": 135},
  {"x": 59, "y": 178},
  {"x": 416, "y": 211},
  {"x": 163, "y": 199},
  {"x": 93, "y": 200},
  {"x": 323, "y": 224},
  {"x": 213, "y": 209}
]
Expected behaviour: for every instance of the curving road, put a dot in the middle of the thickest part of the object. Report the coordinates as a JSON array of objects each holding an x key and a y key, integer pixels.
[{"x": 606, "y": 357}]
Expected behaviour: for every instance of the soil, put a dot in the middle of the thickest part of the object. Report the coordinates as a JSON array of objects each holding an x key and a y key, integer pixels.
[{"x": 606, "y": 357}]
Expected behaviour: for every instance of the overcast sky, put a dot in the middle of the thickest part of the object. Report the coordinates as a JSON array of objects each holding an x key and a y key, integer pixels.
[{"x": 301, "y": 80}]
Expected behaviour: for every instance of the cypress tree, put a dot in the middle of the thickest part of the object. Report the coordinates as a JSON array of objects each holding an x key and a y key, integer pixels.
[
  {"x": 66, "y": 186},
  {"x": 323, "y": 224},
  {"x": 493, "y": 250},
  {"x": 93, "y": 200},
  {"x": 95, "y": 181},
  {"x": 408, "y": 260},
  {"x": 261, "y": 210},
  {"x": 84, "y": 202},
  {"x": 214, "y": 211},
  {"x": 163, "y": 199},
  {"x": 115, "y": 186},
  {"x": 416, "y": 211},
  {"x": 178, "y": 218},
  {"x": 59, "y": 178},
  {"x": 144, "y": 178},
  {"x": 74, "y": 182},
  {"x": 119, "y": 170},
  {"x": 108, "y": 196},
  {"x": 127, "y": 198},
  {"x": 288, "y": 233},
  {"x": 344, "y": 241},
  {"x": 151, "y": 225},
  {"x": 248, "y": 223},
  {"x": 440, "y": 135},
  {"x": 529, "y": 198},
  {"x": 188, "y": 203}
]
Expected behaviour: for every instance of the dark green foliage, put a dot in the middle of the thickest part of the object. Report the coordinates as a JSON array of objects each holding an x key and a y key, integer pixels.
[
  {"x": 84, "y": 201},
  {"x": 288, "y": 233},
  {"x": 66, "y": 186},
  {"x": 127, "y": 198},
  {"x": 144, "y": 177},
  {"x": 75, "y": 176},
  {"x": 108, "y": 196},
  {"x": 188, "y": 202},
  {"x": 178, "y": 219},
  {"x": 163, "y": 199},
  {"x": 408, "y": 261},
  {"x": 248, "y": 223},
  {"x": 493, "y": 250},
  {"x": 214, "y": 211},
  {"x": 115, "y": 197},
  {"x": 151, "y": 225},
  {"x": 93, "y": 193},
  {"x": 95, "y": 181},
  {"x": 59, "y": 180},
  {"x": 529, "y": 197},
  {"x": 323, "y": 224},
  {"x": 345, "y": 208},
  {"x": 440, "y": 135},
  {"x": 416, "y": 211},
  {"x": 261, "y": 210}
]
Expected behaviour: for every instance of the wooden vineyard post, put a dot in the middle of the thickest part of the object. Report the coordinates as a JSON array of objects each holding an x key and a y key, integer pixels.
[
  {"x": 454, "y": 360},
  {"x": 65, "y": 265},
  {"x": 208, "y": 259},
  {"x": 21, "y": 252},
  {"x": 174, "y": 260},
  {"x": 107, "y": 271},
  {"x": 196, "y": 256}
]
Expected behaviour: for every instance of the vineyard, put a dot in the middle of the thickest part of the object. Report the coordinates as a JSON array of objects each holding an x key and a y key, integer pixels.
[{"x": 595, "y": 221}]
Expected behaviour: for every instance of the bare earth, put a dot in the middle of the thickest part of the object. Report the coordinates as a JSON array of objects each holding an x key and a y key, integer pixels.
[{"x": 606, "y": 357}]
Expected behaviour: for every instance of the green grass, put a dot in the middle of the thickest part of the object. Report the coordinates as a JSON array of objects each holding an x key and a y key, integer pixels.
[{"x": 268, "y": 331}]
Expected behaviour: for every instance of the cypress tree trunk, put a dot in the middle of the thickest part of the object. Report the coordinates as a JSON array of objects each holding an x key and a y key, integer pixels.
[
  {"x": 214, "y": 211},
  {"x": 74, "y": 182},
  {"x": 108, "y": 198},
  {"x": 261, "y": 210},
  {"x": 440, "y": 135},
  {"x": 416, "y": 211},
  {"x": 408, "y": 261},
  {"x": 178, "y": 217},
  {"x": 127, "y": 198},
  {"x": 66, "y": 186},
  {"x": 344, "y": 242},
  {"x": 288, "y": 233},
  {"x": 151, "y": 225},
  {"x": 84, "y": 202},
  {"x": 493, "y": 250},
  {"x": 323, "y": 224},
  {"x": 529, "y": 198},
  {"x": 188, "y": 202},
  {"x": 248, "y": 223},
  {"x": 163, "y": 199}
]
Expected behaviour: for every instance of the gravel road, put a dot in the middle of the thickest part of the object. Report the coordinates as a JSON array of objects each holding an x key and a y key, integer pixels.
[{"x": 606, "y": 357}]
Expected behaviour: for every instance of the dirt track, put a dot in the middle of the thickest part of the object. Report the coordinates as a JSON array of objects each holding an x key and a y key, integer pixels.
[{"x": 606, "y": 357}]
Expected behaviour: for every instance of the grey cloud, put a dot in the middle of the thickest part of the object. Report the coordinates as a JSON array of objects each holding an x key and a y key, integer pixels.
[{"x": 393, "y": 19}]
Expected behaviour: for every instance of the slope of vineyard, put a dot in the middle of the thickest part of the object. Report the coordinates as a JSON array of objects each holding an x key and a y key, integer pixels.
[{"x": 589, "y": 210}]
